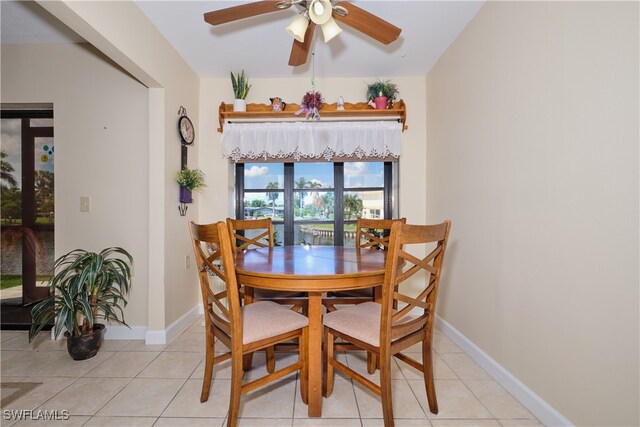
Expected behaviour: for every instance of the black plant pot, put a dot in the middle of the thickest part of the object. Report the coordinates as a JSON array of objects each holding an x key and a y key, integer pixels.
[{"x": 85, "y": 346}]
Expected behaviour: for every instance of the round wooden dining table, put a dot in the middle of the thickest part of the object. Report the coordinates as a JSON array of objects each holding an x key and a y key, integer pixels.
[{"x": 314, "y": 270}]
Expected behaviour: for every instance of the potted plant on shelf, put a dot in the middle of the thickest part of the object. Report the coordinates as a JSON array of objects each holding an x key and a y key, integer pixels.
[
  {"x": 84, "y": 287},
  {"x": 189, "y": 180},
  {"x": 381, "y": 94},
  {"x": 241, "y": 86}
]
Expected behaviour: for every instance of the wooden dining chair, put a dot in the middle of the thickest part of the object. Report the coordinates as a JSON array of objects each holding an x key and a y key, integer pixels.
[
  {"x": 385, "y": 331},
  {"x": 244, "y": 329},
  {"x": 370, "y": 234},
  {"x": 262, "y": 237},
  {"x": 258, "y": 233}
]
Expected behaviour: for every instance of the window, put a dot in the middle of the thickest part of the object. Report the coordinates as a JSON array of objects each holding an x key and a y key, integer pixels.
[{"x": 314, "y": 203}]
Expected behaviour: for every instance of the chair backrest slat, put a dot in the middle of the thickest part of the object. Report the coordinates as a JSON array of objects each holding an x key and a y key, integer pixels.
[
  {"x": 366, "y": 228},
  {"x": 240, "y": 242},
  {"x": 402, "y": 265},
  {"x": 220, "y": 263}
]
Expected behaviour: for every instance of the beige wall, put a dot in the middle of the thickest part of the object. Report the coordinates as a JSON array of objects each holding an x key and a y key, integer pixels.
[
  {"x": 101, "y": 133},
  {"x": 215, "y": 202},
  {"x": 533, "y": 154},
  {"x": 121, "y": 31}
]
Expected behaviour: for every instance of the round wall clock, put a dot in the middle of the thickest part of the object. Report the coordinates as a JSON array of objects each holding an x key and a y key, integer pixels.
[{"x": 187, "y": 133}]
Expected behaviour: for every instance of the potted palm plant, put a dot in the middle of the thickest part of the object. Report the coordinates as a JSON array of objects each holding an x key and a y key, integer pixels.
[
  {"x": 189, "y": 180},
  {"x": 85, "y": 286},
  {"x": 241, "y": 86}
]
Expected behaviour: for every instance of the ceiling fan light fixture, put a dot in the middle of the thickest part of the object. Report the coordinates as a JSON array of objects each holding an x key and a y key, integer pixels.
[
  {"x": 320, "y": 11},
  {"x": 330, "y": 29},
  {"x": 298, "y": 27}
]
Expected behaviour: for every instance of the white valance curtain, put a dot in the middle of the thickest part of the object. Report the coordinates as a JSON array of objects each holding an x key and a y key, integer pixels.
[{"x": 311, "y": 140}]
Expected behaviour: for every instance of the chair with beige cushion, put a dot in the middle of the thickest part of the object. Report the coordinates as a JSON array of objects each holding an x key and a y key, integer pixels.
[
  {"x": 370, "y": 234},
  {"x": 385, "y": 331},
  {"x": 258, "y": 233},
  {"x": 243, "y": 329}
]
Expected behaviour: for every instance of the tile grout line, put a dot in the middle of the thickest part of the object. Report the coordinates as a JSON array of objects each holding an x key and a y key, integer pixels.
[
  {"x": 295, "y": 393},
  {"x": 467, "y": 387},
  {"x": 129, "y": 382},
  {"x": 353, "y": 388}
]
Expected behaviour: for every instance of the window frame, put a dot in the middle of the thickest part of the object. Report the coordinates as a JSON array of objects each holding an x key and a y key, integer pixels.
[{"x": 338, "y": 190}]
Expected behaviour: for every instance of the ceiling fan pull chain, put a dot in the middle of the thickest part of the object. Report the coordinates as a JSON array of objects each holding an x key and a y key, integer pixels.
[{"x": 313, "y": 71}]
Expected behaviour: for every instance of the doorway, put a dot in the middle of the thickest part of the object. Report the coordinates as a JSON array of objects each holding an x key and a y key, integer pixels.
[{"x": 27, "y": 217}]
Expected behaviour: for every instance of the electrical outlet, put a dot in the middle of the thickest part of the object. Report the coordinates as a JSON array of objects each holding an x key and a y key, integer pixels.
[
  {"x": 85, "y": 204},
  {"x": 187, "y": 261}
]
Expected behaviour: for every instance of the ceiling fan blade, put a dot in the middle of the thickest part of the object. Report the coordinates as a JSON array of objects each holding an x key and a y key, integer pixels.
[
  {"x": 300, "y": 51},
  {"x": 368, "y": 23},
  {"x": 235, "y": 13}
]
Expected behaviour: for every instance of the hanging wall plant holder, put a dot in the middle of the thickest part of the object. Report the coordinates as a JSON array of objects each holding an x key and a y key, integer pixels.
[{"x": 185, "y": 195}]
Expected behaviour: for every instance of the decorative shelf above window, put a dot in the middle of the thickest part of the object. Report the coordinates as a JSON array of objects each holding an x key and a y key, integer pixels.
[{"x": 360, "y": 111}]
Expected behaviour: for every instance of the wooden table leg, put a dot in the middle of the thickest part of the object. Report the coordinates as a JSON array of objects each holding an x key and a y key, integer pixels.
[{"x": 315, "y": 354}]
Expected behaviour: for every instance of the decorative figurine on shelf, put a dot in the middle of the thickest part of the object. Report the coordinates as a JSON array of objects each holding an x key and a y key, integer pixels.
[
  {"x": 340, "y": 104},
  {"x": 311, "y": 103},
  {"x": 277, "y": 104}
]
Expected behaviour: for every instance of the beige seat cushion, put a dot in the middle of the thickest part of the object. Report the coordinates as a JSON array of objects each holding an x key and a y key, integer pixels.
[
  {"x": 361, "y": 322},
  {"x": 266, "y": 319}
]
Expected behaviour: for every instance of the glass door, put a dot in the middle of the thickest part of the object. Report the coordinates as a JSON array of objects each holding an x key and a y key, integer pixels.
[{"x": 27, "y": 206}]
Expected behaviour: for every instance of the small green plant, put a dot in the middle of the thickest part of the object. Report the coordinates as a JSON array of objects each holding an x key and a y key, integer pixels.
[
  {"x": 191, "y": 179},
  {"x": 86, "y": 285},
  {"x": 240, "y": 85},
  {"x": 384, "y": 87}
]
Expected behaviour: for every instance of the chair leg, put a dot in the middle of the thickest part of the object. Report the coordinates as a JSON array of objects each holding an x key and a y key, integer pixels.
[
  {"x": 208, "y": 367},
  {"x": 385, "y": 391},
  {"x": 247, "y": 362},
  {"x": 371, "y": 363},
  {"x": 269, "y": 354},
  {"x": 236, "y": 387},
  {"x": 327, "y": 367},
  {"x": 427, "y": 370},
  {"x": 304, "y": 372}
]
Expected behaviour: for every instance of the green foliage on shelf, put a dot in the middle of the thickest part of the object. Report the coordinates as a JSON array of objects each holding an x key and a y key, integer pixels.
[
  {"x": 240, "y": 84},
  {"x": 384, "y": 87}
]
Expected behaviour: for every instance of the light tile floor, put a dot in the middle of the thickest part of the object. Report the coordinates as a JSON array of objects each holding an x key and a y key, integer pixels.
[{"x": 130, "y": 384}]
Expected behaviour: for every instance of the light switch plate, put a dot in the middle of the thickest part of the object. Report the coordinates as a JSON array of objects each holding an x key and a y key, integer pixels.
[{"x": 85, "y": 204}]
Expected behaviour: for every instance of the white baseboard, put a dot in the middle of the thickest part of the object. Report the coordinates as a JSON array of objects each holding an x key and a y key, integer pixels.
[
  {"x": 167, "y": 335},
  {"x": 120, "y": 332},
  {"x": 155, "y": 337},
  {"x": 534, "y": 403}
]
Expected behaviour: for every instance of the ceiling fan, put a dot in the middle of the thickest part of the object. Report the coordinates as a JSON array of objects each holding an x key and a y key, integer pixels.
[{"x": 313, "y": 12}]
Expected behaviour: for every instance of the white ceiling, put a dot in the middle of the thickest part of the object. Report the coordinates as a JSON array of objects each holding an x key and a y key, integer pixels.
[
  {"x": 27, "y": 22},
  {"x": 260, "y": 44}
]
